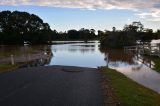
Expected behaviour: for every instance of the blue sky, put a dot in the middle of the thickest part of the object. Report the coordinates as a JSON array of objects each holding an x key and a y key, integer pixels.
[{"x": 75, "y": 15}]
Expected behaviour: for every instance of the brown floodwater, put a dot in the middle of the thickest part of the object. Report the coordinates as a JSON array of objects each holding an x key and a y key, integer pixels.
[{"x": 84, "y": 54}]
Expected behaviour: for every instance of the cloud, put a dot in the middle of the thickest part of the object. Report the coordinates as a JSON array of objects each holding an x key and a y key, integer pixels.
[
  {"x": 94, "y": 4},
  {"x": 150, "y": 15},
  {"x": 147, "y": 9}
]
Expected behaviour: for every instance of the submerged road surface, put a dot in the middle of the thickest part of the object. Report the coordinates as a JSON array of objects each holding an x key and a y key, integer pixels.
[{"x": 51, "y": 86}]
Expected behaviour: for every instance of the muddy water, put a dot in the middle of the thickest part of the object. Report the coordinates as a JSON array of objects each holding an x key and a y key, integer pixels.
[{"x": 85, "y": 54}]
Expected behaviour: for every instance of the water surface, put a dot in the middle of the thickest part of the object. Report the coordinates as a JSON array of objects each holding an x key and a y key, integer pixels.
[{"x": 85, "y": 54}]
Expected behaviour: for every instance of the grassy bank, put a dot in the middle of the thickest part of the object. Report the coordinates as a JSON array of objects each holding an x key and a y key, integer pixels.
[
  {"x": 128, "y": 92},
  {"x": 7, "y": 67}
]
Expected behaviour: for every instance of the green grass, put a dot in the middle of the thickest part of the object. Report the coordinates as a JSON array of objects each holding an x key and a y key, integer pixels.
[
  {"x": 128, "y": 92},
  {"x": 7, "y": 67}
]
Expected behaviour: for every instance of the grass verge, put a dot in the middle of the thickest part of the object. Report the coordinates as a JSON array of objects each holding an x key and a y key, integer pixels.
[
  {"x": 128, "y": 92},
  {"x": 7, "y": 67}
]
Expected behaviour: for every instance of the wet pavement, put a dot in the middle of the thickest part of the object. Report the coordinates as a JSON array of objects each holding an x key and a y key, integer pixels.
[{"x": 51, "y": 86}]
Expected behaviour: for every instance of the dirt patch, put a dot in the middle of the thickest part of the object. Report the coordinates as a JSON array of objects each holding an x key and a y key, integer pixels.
[{"x": 110, "y": 98}]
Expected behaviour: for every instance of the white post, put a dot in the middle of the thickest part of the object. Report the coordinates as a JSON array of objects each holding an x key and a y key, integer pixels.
[
  {"x": 12, "y": 60},
  {"x": 159, "y": 49}
]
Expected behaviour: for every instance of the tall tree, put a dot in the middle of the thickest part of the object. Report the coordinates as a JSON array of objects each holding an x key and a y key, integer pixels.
[{"x": 17, "y": 27}]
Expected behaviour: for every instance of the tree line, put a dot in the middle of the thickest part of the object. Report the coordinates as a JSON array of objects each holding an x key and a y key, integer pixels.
[
  {"x": 82, "y": 34},
  {"x": 130, "y": 35},
  {"x": 19, "y": 27}
]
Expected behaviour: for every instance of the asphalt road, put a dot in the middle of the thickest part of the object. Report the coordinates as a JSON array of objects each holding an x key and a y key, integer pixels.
[{"x": 51, "y": 86}]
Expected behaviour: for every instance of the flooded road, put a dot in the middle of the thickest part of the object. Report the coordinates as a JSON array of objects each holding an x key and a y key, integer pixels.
[{"x": 85, "y": 54}]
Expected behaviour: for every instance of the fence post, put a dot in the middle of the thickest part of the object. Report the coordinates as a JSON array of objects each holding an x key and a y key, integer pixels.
[
  {"x": 12, "y": 60},
  {"x": 150, "y": 49},
  {"x": 159, "y": 49}
]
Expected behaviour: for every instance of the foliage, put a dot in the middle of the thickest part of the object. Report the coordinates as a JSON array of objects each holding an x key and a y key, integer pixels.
[
  {"x": 17, "y": 27},
  {"x": 128, "y": 36},
  {"x": 7, "y": 67},
  {"x": 117, "y": 40},
  {"x": 82, "y": 34}
]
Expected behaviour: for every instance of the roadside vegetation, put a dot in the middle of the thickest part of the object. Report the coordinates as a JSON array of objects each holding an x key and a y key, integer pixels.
[
  {"x": 128, "y": 92},
  {"x": 7, "y": 67}
]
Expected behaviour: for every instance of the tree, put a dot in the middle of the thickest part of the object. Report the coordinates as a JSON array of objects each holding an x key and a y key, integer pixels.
[
  {"x": 128, "y": 36},
  {"x": 17, "y": 27},
  {"x": 134, "y": 27},
  {"x": 114, "y": 29},
  {"x": 73, "y": 34},
  {"x": 92, "y": 31}
]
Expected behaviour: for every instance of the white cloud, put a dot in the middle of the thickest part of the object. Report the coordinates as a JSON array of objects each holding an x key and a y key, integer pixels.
[
  {"x": 151, "y": 7},
  {"x": 151, "y": 15},
  {"x": 103, "y": 4}
]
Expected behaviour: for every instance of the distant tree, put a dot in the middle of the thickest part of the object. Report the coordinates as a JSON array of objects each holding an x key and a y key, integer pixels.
[
  {"x": 134, "y": 27},
  {"x": 114, "y": 29},
  {"x": 73, "y": 34},
  {"x": 157, "y": 34},
  {"x": 17, "y": 27},
  {"x": 100, "y": 33},
  {"x": 138, "y": 26},
  {"x": 92, "y": 31},
  {"x": 128, "y": 36}
]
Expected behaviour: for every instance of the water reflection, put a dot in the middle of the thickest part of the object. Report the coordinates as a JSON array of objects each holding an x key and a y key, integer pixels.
[
  {"x": 134, "y": 66},
  {"x": 84, "y": 54},
  {"x": 26, "y": 55}
]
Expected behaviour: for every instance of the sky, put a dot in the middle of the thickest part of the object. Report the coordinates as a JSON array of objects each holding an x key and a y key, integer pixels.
[{"x": 63, "y": 15}]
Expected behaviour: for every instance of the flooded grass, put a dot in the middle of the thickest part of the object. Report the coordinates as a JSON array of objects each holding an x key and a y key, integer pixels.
[
  {"x": 7, "y": 51},
  {"x": 7, "y": 67},
  {"x": 129, "y": 92},
  {"x": 156, "y": 60}
]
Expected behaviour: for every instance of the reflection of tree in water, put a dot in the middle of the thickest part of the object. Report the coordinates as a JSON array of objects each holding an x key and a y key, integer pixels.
[
  {"x": 75, "y": 48},
  {"x": 117, "y": 57},
  {"x": 42, "y": 61},
  {"x": 84, "y": 48},
  {"x": 28, "y": 55},
  {"x": 137, "y": 68},
  {"x": 146, "y": 61},
  {"x": 81, "y": 48}
]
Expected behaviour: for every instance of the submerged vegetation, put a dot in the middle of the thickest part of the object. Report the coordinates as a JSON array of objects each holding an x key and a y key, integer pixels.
[
  {"x": 7, "y": 67},
  {"x": 128, "y": 36},
  {"x": 156, "y": 61},
  {"x": 129, "y": 92}
]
